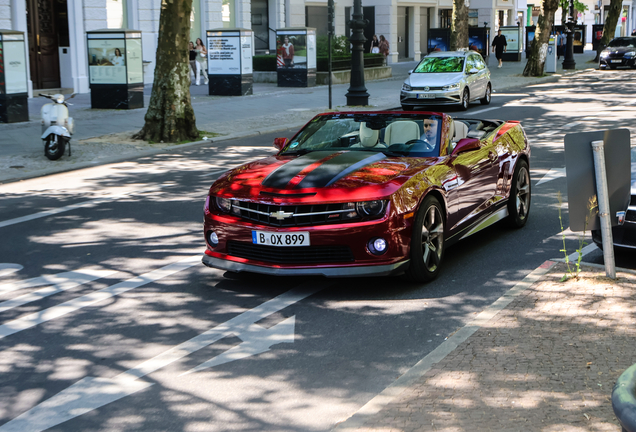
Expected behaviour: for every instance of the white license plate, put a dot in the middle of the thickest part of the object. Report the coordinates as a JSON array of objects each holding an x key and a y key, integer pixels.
[
  {"x": 616, "y": 61},
  {"x": 425, "y": 96},
  {"x": 298, "y": 238}
]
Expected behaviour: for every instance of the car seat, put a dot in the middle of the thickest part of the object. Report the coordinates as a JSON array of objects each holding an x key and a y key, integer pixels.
[
  {"x": 401, "y": 132},
  {"x": 368, "y": 136},
  {"x": 461, "y": 130}
]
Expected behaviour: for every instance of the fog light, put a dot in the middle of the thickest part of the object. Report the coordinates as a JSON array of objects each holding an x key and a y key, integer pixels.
[
  {"x": 213, "y": 239},
  {"x": 377, "y": 246}
]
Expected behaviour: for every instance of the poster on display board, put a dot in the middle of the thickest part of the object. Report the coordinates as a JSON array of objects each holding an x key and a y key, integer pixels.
[
  {"x": 512, "y": 39},
  {"x": 246, "y": 55},
  {"x": 135, "y": 61},
  {"x": 311, "y": 51},
  {"x": 224, "y": 55},
  {"x": 106, "y": 61},
  {"x": 291, "y": 50},
  {"x": 15, "y": 74}
]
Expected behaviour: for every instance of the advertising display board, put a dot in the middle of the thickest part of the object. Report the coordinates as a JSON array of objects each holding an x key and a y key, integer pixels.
[
  {"x": 479, "y": 40},
  {"x": 14, "y": 89},
  {"x": 514, "y": 45},
  {"x": 578, "y": 39},
  {"x": 530, "y": 32},
  {"x": 115, "y": 68},
  {"x": 597, "y": 34},
  {"x": 438, "y": 39},
  {"x": 296, "y": 57},
  {"x": 230, "y": 62}
]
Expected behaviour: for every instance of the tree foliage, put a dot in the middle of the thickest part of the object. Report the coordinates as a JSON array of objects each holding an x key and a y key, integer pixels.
[
  {"x": 611, "y": 20},
  {"x": 565, "y": 7},
  {"x": 539, "y": 47},
  {"x": 459, "y": 25},
  {"x": 170, "y": 117}
]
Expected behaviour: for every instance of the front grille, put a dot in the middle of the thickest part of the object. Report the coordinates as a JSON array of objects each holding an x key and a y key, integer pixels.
[
  {"x": 429, "y": 88},
  {"x": 290, "y": 255},
  {"x": 292, "y": 216}
]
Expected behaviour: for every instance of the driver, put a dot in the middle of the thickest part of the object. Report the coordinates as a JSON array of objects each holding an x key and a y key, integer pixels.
[{"x": 430, "y": 130}]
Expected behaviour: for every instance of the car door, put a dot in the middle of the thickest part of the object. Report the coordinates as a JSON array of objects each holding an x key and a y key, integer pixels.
[
  {"x": 477, "y": 173},
  {"x": 471, "y": 78},
  {"x": 483, "y": 75},
  {"x": 477, "y": 85}
]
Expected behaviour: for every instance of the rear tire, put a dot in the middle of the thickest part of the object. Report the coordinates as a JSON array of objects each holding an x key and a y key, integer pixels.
[
  {"x": 427, "y": 242},
  {"x": 486, "y": 99},
  {"x": 465, "y": 101},
  {"x": 519, "y": 199},
  {"x": 54, "y": 146}
]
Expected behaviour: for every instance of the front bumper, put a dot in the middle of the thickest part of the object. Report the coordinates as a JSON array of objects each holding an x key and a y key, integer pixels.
[
  {"x": 432, "y": 97},
  {"x": 373, "y": 270},
  {"x": 608, "y": 62}
]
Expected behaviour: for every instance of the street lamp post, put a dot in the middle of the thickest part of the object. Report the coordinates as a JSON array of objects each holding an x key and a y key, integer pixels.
[
  {"x": 357, "y": 94},
  {"x": 568, "y": 60}
]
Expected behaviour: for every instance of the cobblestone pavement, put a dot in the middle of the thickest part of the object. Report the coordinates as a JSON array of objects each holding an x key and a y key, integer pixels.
[{"x": 547, "y": 362}]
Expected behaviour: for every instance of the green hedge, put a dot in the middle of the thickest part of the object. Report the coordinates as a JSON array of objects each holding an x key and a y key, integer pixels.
[{"x": 267, "y": 63}]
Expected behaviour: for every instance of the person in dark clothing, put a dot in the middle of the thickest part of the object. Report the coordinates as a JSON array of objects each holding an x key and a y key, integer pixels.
[
  {"x": 193, "y": 61},
  {"x": 499, "y": 44}
]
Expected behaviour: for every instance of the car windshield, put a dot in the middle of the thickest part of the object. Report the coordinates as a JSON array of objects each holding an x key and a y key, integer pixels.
[
  {"x": 440, "y": 65},
  {"x": 403, "y": 134},
  {"x": 623, "y": 42}
]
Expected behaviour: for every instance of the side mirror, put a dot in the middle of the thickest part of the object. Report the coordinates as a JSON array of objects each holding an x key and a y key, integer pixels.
[
  {"x": 411, "y": 71},
  {"x": 279, "y": 143},
  {"x": 466, "y": 144},
  {"x": 473, "y": 71}
]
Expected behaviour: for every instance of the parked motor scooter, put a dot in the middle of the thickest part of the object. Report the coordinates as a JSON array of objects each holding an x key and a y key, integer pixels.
[{"x": 57, "y": 126}]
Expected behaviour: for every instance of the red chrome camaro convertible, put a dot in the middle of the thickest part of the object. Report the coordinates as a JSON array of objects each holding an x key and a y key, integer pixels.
[{"x": 368, "y": 193}]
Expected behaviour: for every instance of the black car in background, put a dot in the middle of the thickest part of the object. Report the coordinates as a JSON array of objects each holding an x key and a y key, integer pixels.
[
  {"x": 624, "y": 236},
  {"x": 621, "y": 51}
]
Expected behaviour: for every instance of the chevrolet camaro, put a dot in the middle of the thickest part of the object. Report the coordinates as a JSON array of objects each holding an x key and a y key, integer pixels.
[{"x": 368, "y": 194}]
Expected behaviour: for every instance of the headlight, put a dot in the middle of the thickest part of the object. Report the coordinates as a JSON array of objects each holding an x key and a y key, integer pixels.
[
  {"x": 370, "y": 208},
  {"x": 406, "y": 87},
  {"x": 630, "y": 54},
  {"x": 224, "y": 204},
  {"x": 451, "y": 87},
  {"x": 604, "y": 53}
]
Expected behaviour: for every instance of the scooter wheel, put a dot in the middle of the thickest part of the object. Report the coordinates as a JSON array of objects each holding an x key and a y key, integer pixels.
[{"x": 54, "y": 147}]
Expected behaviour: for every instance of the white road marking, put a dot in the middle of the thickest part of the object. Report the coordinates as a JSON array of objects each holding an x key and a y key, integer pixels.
[
  {"x": 256, "y": 340},
  {"x": 59, "y": 282},
  {"x": 483, "y": 110},
  {"x": 8, "y": 268},
  {"x": 91, "y": 393},
  {"x": 553, "y": 174},
  {"x": 51, "y": 313}
]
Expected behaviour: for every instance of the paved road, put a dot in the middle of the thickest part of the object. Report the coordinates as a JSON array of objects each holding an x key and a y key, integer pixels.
[{"x": 129, "y": 298}]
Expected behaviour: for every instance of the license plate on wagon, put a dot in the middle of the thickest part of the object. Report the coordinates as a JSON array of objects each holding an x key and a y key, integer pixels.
[
  {"x": 299, "y": 238},
  {"x": 425, "y": 96},
  {"x": 616, "y": 61}
]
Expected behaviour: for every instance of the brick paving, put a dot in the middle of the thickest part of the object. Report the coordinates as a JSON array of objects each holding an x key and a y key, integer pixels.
[{"x": 547, "y": 362}]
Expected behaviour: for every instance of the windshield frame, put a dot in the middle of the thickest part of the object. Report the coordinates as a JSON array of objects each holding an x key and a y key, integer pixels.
[{"x": 342, "y": 132}]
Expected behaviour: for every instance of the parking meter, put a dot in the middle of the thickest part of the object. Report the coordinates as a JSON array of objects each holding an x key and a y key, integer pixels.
[{"x": 551, "y": 57}]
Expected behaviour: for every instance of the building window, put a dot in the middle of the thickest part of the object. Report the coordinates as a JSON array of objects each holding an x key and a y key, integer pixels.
[
  {"x": 227, "y": 14},
  {"x": 445, "y": 18}
]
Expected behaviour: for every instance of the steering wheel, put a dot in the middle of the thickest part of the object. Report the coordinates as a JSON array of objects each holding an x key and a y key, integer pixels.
[{"x": 427, "y": 145}]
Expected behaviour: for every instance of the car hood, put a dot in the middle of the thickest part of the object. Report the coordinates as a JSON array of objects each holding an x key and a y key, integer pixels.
[
  {"x": 434, "y": 79},
  {"x": 320, "y": 175},
  {"x": 619, "y": 50}
]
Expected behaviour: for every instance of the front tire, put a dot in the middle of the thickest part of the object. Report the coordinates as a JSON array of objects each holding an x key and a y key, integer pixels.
[
  {"x": 54, "y": 147},
  {"x": 427, "y": 242},
  {"x": 486, "y": 99},
  {"x": 465, "y": 100},
  {"x": 519, "y": 200}
]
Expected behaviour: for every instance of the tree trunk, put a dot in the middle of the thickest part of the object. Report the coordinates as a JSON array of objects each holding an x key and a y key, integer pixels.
[
  {"x": 610, "y": 26},
  {"x": 459, "y": 26},
  {"x": 170, "y": 117},
  {"x": 539, "y": 46}
]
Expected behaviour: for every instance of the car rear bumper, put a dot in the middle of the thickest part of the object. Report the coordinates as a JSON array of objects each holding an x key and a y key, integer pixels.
[{"x": 229, "y": 264}]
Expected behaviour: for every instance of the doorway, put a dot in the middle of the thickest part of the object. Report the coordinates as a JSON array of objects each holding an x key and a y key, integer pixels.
[
  {"x": 47, "y": 30},
  {"x": 260, "y": 25},
  {"x": 403, "y": 32}
]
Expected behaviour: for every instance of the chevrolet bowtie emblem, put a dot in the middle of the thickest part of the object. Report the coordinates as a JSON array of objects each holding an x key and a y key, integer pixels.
[{"x": 280, "y": 215}]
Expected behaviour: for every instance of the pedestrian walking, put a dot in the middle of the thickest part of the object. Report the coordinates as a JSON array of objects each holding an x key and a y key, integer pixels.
[
  {"x": 202, "y": 62},
  {"x": 384, "y": 47},
  {"x": 193, "y": 61},
  {"x": 499, "y": 44},
  {"x": 560, "y": 40}
]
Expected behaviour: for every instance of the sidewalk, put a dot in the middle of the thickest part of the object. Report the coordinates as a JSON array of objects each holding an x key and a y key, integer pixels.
[
  {"x": 546, "y": 361},
  {"x": 269, "y": 109}
]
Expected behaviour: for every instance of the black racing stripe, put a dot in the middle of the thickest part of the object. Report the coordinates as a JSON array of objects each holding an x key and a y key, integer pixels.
[
  {"x": 331, "y": 169},
  {"x": 280, "y": 177}
]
